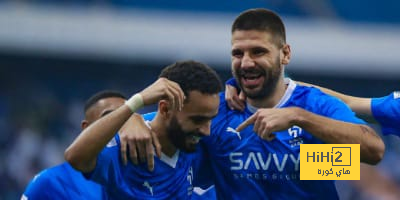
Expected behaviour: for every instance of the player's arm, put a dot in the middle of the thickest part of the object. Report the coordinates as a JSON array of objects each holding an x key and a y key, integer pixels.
[
  {"x": 361, "y": 106},
  {"x": 267, "y": 121},
  {"x": 82, "y": 153}
]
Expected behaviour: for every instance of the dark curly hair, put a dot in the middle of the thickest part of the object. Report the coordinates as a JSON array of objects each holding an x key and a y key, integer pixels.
[
  {"x": 192, "y": 75},
  {"x": 261, "y": 19}
]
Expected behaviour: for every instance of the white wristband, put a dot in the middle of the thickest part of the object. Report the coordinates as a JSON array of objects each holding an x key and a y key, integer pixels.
[{"x": 135, "y": 102}]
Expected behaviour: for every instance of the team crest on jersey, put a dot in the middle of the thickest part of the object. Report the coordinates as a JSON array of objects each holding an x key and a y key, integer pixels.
[
  {"x": 295, "y": 132},
  {"x": 396, "y": 95}
]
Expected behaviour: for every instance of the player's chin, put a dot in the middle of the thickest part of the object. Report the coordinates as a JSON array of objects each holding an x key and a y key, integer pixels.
[
  {"x": 252, "y": 92},
  {"x": 190, "y": 147}
]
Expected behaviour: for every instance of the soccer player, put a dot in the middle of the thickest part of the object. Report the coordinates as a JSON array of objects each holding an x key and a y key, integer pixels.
[
  {"x": 62, "y": 181},
  {"x": 255, "y": 154},
  {"x": 178, "y": 124},
  {"x": 385, "y": 110}
]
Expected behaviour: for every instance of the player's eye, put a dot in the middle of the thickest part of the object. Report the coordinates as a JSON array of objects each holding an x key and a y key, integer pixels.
[
  {"x": 237, "y": 53},
  {"x": 259, "y": 51}
]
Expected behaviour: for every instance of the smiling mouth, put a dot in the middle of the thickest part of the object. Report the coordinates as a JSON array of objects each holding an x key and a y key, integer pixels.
[{"x": 251, "y": 76}]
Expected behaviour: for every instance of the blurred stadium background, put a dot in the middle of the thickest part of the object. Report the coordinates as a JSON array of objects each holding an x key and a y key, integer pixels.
[{"x": 54, "y": 54}]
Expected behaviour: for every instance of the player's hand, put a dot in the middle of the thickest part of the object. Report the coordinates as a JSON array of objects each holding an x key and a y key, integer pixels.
[
  {"x": 164, "y": 89},
  {"x": 234, "y": 100},
  {"x": 268, "y": 121},
  {"x": 141, "y": 142}
]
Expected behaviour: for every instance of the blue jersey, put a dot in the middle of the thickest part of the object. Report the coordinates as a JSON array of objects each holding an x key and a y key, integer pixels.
[
  {"x": 171, "y": 179},
  {"x": 61, "y": 182},
  {"x": 248, "y": 167},
  {"x": 207, "y": 194},
  {"x": 386, "y": 110},
  {"x": 200, "y": 163}
]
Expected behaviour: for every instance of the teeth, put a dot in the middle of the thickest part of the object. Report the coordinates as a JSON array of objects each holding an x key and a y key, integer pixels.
[{"x": 251, "y": 76}]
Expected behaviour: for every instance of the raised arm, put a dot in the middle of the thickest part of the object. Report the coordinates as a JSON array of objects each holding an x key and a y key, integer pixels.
[{"x": 82, "y": 153}]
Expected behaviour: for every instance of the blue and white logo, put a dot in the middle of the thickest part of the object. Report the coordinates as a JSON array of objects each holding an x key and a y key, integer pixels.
[{"x": 295, "y": 131}]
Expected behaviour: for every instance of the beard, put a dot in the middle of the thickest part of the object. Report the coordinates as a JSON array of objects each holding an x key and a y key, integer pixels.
[
  {"x": 271, "y": 76},
  {"x": 178, "y": 136}
]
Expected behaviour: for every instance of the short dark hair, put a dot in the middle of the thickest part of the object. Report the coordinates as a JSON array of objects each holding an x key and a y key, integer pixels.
[
  {"x": 261, "y": 19},
  {"x": 192, "y": 75},
  {"x": 101, "y": 95}
]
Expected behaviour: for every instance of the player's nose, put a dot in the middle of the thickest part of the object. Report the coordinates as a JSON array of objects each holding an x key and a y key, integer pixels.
[{"x": 204, "y": 129}]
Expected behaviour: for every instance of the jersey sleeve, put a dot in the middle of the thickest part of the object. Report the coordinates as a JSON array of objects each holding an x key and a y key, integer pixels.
[{"x": 386, "y": 110}]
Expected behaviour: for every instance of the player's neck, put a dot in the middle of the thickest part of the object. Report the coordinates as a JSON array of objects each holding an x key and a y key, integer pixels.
[
  {"x": 272, "y": 100},
  {"x": 159, "y": 128}
]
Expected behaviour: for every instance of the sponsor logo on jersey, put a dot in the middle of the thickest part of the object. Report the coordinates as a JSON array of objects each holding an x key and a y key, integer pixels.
[
  {"x": 267, "y": 167},
  {"x": 147, "y": 185},
  {"x": 232, "y": 130}
]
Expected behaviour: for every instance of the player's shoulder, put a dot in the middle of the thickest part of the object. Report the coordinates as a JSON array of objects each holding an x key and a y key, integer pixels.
[
  {"x": 316, "y": 101},
  {"x": 393, "y": 97},
  {"x": 396, "y": 95},
  {"x": 309, "y": 91},
  {"x": 49, "y": 173},
  {"x": 309, "y": 95},
  {"x": 386, "y": 111},
  {"x": 391, "y": 102},
  {"x": 40, "y": 183}
]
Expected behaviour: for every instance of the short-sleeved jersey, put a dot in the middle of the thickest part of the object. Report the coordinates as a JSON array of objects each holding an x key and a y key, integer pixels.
[
  {"x": 386, "y": 110},
  {"x": 248, "y": 167},
  {"x": 61, "y": 182},
  {"x": 171, "y": 178}
]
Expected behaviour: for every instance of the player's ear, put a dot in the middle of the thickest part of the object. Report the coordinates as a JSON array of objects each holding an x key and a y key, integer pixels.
[
  {"x": 84, "y": 124},
  {"x": 285, "y": 54},
  {"x": 164, "y": 108}
]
